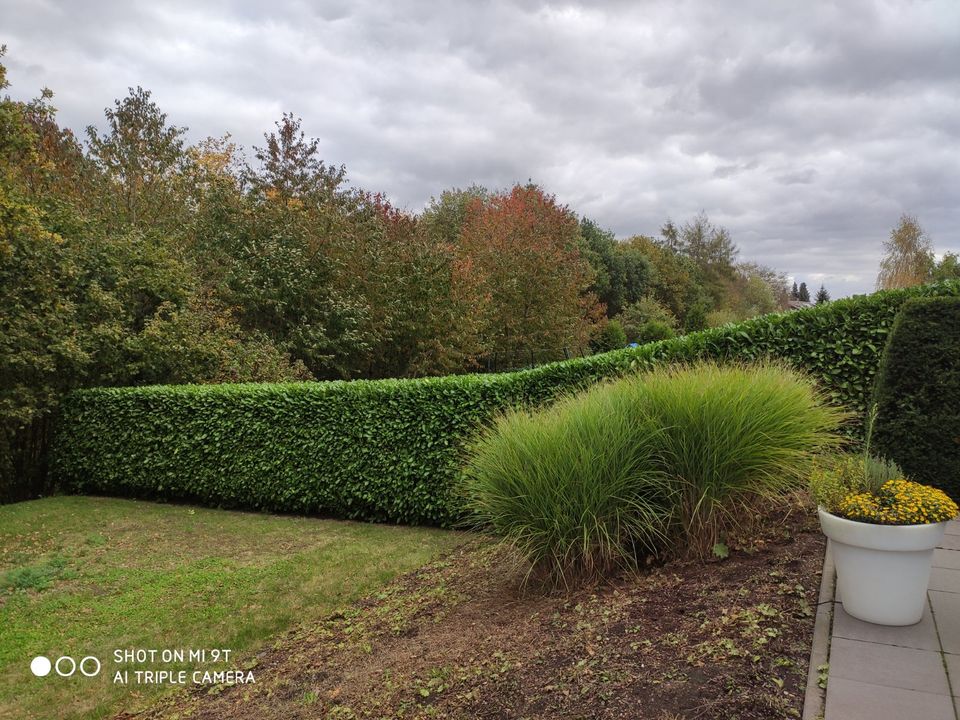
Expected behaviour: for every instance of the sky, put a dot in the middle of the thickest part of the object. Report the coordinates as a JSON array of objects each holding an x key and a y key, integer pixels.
[{"x": 804, "y": 128}]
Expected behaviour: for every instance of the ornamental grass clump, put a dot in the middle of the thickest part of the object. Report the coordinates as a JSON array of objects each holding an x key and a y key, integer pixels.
[
  {"x": 733, "y": 439},
  {"x": 575, "y": 488},
  {"x": 662, "y": 462}
]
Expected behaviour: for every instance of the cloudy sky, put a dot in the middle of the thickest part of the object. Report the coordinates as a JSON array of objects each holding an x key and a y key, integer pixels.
[{"x": 805, "y": 128}]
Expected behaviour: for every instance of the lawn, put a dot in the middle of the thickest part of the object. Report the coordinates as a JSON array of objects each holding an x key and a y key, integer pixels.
[{"x": 87, "y": 576}]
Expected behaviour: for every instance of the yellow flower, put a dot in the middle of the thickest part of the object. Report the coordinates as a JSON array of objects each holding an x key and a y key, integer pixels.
[{"x": 899, "y": 502}]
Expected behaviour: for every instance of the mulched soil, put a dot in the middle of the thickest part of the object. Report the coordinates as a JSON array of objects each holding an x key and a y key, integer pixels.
[{"x": 459, "y": 638}]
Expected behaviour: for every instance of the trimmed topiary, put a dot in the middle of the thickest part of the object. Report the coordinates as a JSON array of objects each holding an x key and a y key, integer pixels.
[{"x": 918, "y": 393}]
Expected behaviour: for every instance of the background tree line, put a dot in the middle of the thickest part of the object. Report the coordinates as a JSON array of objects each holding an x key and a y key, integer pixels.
[{"x": 132, "y": 257}]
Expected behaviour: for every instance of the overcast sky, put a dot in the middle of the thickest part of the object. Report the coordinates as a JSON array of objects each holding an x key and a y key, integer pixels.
[{"x": 805, "y": 128}]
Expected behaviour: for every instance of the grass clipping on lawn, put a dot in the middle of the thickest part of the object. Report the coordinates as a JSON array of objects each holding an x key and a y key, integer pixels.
[{"x": 666, "y": 461}]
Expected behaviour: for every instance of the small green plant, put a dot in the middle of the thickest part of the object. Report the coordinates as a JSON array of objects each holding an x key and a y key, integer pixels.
[
  {"x": 823, "y": 672},
  {"x": 832, "y": 479},
  {"x": 876, "y": 470}
]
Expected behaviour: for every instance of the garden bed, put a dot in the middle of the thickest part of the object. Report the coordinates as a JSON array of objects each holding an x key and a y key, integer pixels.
[{"x": 458, "y": 639}]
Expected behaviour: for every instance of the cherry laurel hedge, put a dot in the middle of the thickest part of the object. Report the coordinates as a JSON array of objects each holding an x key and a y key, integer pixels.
[{"x": 390, "y": 450}]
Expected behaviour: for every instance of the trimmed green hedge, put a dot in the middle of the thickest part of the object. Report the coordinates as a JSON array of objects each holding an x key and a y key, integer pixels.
[
  {"x": 918, "y": 393},
  {"x": 390, "y": 450}
]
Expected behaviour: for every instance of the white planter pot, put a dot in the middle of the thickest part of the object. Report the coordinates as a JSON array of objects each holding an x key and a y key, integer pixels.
[{"x": 882, "y": 570}]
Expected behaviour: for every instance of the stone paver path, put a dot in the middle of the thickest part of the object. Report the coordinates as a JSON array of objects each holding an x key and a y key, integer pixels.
[{"x": 897, "y": 673}]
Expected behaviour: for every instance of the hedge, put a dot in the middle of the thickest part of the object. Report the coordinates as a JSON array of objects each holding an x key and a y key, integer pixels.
[
  {"x": 391, "y": 450},
  {"x": 918, "y": 393}
]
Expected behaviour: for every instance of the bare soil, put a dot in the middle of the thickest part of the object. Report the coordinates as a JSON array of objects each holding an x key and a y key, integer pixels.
[{"x": 460, "y": 638}]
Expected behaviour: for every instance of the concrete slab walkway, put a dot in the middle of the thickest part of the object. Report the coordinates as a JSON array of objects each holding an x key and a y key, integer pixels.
[{"x": 892, "y": 673}]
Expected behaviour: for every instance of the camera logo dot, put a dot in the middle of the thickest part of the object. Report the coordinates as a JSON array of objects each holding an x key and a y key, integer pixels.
[
  {"x": 65, "y": 666},
  {"x": 40, "y": 666}
]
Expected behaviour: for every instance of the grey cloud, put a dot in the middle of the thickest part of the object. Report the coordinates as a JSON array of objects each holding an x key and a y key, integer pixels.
[{"x": 806, "y": 128}]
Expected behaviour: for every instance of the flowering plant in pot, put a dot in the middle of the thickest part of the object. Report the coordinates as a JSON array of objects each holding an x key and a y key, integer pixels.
[{"x": 883, "y": 530}]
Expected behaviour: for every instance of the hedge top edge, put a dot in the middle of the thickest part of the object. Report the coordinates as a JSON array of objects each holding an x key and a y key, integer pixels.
[{"x": 625, "y": 357}]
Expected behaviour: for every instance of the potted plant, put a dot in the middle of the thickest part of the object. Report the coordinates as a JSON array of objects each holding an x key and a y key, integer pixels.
[{"x": 883, "y": 530}]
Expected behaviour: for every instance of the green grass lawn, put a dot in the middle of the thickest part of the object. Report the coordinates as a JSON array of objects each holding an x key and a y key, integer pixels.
[{"x": 86, "y": 576}]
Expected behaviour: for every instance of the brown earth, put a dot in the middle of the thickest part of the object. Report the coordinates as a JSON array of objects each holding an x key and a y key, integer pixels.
[{"x": 459, "y": 639}]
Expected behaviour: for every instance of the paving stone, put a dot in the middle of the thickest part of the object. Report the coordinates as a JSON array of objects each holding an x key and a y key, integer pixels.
[
  {"x": 951, "y": 541},
  {"x": 945, "y": 579},
  {"x": 953, "y": 670},
  {"x": 946, "y": 611},
  {"x": 888, "y": 665},
  {"x": 922, "y": 636},
  {"x": 852, "y": 700},
  {"x": 953, "y": 527},
  {"x": 946, "y": 558}
]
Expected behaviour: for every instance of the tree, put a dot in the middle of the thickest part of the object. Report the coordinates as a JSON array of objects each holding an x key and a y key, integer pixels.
[
  {"x": 803, "y": 295},
  {"x": 822, "y": 295},
  {"x": 265, "y": 242},
  {"x": 670, "y": 236},
  {"x": 82, "y": 306},
  {"x": 443, "y": 217},
  {"x": 609, "y": 336},
  {"x": 712, "y": 250},
  {"x": 908, "y": 256},
  {"x": 623, "y": 272},
  {"x": 757, "y": 290},
  {"x": 401, "y": 271},
  {"x": 520, "y": 265},
  {"x": 139, "y": 157},
  {"x": 794, "y": 292},
  {"x": 290, "y": 166},
  {"x": 638, "y": 318},
  {"x": 674, "y": 279},
  {"x": 947, "y": 269}
]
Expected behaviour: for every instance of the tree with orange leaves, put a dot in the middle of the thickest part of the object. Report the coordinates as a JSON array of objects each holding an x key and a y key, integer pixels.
[{"x": 520, "y": 271}]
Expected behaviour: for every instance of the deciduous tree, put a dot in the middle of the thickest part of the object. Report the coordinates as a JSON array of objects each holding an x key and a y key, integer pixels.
[
  {"x": 139, "y": 158},
  {"x": 519, "y": 259},
  {"x": 908, "y": 256}
]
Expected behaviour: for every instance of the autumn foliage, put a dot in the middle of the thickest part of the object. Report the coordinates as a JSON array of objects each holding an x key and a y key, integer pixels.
[{"x": 519, "y": 271}]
